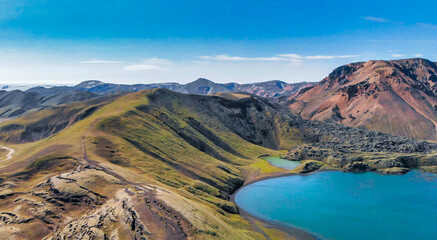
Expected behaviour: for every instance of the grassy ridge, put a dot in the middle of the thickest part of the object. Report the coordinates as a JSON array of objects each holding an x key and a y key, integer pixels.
[{"x": 198, "y": 147}]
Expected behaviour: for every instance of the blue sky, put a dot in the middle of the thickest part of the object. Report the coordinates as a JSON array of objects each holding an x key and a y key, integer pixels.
[{"x": 128, "y": 41}]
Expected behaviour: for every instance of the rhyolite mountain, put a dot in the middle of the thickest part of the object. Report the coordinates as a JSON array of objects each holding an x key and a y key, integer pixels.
[
  {"x": 395, "y": 97},
  {"x": 158, "y": 164},
  {"x": 200, "y": 86}
]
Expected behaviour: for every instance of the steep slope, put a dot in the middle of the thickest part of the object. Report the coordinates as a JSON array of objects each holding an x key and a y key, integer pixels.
[
  {"x": 49, "y": 121},
  {"x": 159, "y": 164},
  {"x": 395, "y": 97},
  {"x": 15, "y": 103}
]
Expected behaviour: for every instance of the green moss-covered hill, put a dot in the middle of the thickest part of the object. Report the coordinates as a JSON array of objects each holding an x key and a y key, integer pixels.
[{"x": 175, "y": 158}]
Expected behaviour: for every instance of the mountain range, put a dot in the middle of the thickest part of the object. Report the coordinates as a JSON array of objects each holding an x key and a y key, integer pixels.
[
  {"x": 200, "y": 86},
  {"x": 16, "y": 102},
  {"x": 395, "y": 97}
]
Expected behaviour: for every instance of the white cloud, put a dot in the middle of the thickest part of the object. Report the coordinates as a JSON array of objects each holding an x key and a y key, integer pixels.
[
  {"x": 292, "y": 55},
  {"x": 157, "y": 61},
  {"x": 141, "y": 67},
  {"x": 418, "y": 55},
  {"x": 293, "y": 59},
  {"x": 148, "y": 64},
  {"x": 320, "y": 57},
  {"x": 99, "y": 61},
  {"x": 397, "y": 55},
  {"x": 235, "y": 58},
  {"x": 324, "y": 57},
  {"x": 199, "y": 62},
  {"x": 224, "y": 58},
  {"x": 376, "y": 19},
  {"x": 349, "y": 56}
]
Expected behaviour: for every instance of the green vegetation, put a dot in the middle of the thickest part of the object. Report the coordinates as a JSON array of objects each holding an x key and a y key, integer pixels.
[
  {"x": 263, "y": 166},
  {"x": 198, "y": 147}
]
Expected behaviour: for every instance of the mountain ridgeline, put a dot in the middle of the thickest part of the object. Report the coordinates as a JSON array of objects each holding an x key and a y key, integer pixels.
[
  {"x": 200, "y": 86},
  {"x": 158, "y": 164},
  {"x": 395, "y": 97},
  {"x": 16, "y": 102}
]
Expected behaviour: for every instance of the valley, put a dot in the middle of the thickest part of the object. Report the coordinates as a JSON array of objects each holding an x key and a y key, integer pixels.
[
  {"x": 157, "y": 164},
  {"x": 218, "y": 120}
]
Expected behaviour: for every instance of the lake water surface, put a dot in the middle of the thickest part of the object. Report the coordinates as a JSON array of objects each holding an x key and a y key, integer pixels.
[
  {"x": 337, "y": 205},
  {"x": 282, "y": 163}
]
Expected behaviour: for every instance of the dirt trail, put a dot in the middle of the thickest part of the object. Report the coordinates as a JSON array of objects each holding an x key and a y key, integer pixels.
[
  {"x": 163, "y": 219},
  {"x": 97, "y": 166},
  {"x": 9, "y": 156}
]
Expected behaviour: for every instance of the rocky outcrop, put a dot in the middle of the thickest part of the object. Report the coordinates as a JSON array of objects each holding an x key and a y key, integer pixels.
[
  {"x": 394, "y": 170},
  {"x": 116, "y": 216},
  {"x": 309, "y": 166},
  {"x": 346, "y": 139},
  {"x": 104, "y": 206},
  {"x": 361, "y": 151},
  {"x": 7, "y": 218},
  {"x": 229, "y": 207},
  {"x": 68, "y": 190},
  {"x": 358, "y": 167}
]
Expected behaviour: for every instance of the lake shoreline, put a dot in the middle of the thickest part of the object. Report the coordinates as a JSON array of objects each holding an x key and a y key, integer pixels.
[{"x": 291, "y": 231}]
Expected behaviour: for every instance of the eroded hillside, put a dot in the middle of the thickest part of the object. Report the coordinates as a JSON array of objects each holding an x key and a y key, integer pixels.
[{"x": 395, "y": 97}]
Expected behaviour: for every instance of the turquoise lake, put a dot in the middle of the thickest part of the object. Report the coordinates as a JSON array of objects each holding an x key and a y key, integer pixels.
[
  {"x": 337, "y": 205},
  {"x": 282, "y": 163}
]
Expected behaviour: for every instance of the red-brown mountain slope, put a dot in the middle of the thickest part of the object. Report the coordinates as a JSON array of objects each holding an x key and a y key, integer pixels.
[{"x": 396, "y": 97}]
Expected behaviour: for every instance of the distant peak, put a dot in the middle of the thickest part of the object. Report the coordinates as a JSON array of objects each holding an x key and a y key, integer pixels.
[
  {"x": 202, "y": 80},
  {"x": 274, "y": 82},
  {"x": 92, "y": 81},
  {"x": 89, "y": 83}
]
